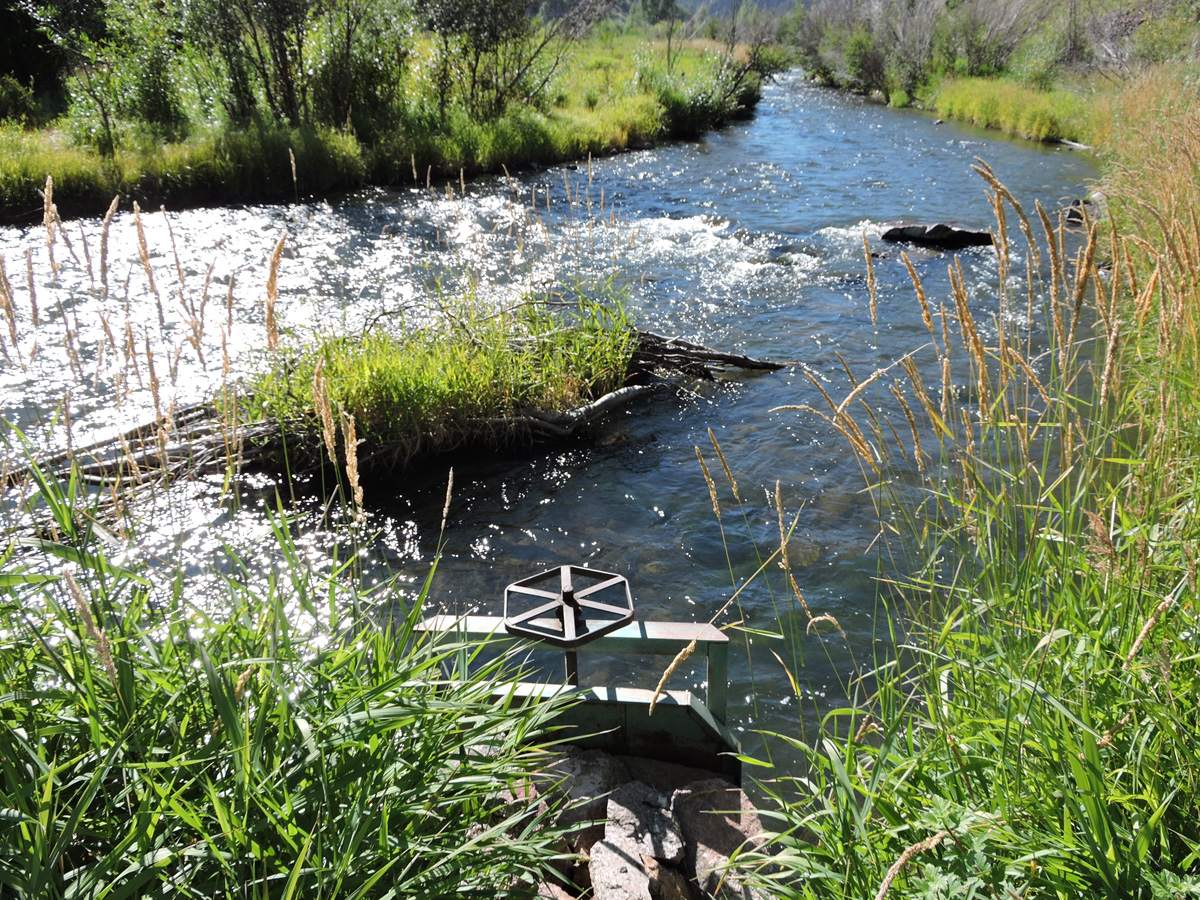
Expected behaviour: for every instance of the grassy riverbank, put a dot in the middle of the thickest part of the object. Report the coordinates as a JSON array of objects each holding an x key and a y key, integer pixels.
[
  {"x": 1017, "y": 109},
  {"x": 286, "y": 734},
  {"x": 1037, "y": 734},
  {"x": 612, "y": 92},
  {"x": 1093, "y": 111}
]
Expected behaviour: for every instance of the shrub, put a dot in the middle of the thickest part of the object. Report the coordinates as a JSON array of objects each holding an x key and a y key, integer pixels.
[
  {"x": 866, "y": 64},
  {"x": 16, "y": 101}
]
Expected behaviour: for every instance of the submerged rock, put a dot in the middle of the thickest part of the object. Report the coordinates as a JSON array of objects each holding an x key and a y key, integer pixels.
[{"x": 939, "y": 235}]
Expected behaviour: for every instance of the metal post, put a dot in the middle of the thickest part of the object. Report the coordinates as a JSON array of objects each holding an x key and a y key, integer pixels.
[
  {"x": 572, "y": 661},
  {"x": 718, "y": 680}
]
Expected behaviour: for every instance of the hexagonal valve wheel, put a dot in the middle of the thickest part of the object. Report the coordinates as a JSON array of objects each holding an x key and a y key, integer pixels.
[{"x": 586, "y": 605}]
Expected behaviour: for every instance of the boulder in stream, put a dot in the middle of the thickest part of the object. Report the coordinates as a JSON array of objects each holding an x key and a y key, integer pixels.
[{"x": 939, "y": 235}]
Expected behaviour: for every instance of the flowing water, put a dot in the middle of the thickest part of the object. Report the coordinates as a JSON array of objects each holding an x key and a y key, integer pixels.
[{"x": 750, "y": 240}]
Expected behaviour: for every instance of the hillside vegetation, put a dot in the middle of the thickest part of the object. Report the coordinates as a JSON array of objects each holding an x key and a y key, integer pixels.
[
  {"x": 220, "y": 102},
  {"x": 1040, "y": 62}
]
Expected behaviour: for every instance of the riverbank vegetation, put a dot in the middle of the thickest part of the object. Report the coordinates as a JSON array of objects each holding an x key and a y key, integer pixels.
[
  {"x": 285, "y": 734},
  {"x": 190, "y": 104},
  {"x": 1037, "y": 732},
  {"x": 1029, "y": 68}
]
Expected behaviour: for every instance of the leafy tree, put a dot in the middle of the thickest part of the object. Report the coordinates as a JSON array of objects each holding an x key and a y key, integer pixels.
[
  {"x": 31, "y": 59},
  {"x": 219, "y": 33},
  {"x": 360, "y": 64},
  {"x": 986, "y": 32},
  {"x": 866, "y": 63},
  {"x": 275, "y": 33},
  {"x": 261, "y": 45},
  {"x": 912, "y": 29},
  {"x": 121, "y": 59},
  {"x": 16, "y": 101},
  {"x": 143, "y": 38}
]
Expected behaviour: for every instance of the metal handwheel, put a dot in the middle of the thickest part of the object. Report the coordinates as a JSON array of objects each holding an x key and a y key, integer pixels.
[{"x": 572, "y": 615}]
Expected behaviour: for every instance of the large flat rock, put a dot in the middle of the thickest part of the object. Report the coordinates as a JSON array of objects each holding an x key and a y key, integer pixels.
[
  {"x": 641, "y": 815},
  {"x": 585, "y": 778},
  {"x": 618, "y": 872}
]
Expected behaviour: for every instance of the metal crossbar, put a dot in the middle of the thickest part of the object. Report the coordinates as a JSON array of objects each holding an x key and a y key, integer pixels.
[{"x": 650, "y": 638}]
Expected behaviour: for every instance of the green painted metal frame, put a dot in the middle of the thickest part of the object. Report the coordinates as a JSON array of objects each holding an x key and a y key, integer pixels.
[{"x": 650, "y": 638}]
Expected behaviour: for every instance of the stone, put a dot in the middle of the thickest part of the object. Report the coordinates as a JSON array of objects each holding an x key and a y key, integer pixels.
[
  {"x": 940, "y": 235},
  {"x": 584, "y": 779},
  {"x": 667, "y": 882},
  {"x": 664, "y": 776},
  {"x": 642, "y": 815},
  {"x": 717, "y": 819},
  {"x": 547, "y": 890},
  {"x": 617, "y": 872}
]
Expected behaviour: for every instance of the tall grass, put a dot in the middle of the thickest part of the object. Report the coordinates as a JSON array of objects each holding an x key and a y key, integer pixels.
[
  {"x": 287, "y": 734},
  {"x": 472, "y": 377},
  {"x": 1036, "y": 733},
  {"x": 1015, "y": 108}
]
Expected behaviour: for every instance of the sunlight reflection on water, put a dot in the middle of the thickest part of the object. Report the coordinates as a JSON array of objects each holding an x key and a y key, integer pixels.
[{"x": 751, "y": 240}]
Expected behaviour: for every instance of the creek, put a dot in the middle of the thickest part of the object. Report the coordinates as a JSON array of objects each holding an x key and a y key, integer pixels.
[{"x": 749, "y": 240}]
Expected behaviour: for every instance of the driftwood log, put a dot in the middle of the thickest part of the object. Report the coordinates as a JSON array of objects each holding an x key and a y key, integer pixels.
[
  {"x": 656, "y": 353},
  {"x": 200, "y": 439}
]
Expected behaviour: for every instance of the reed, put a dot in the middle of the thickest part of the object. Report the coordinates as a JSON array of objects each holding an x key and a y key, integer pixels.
[
  {"x": 351, "y": 442},
  {"x": 258, "y": 741},
  {"x": 29, "y": 280},
  {"x": 7, "y": 306},
  {"x": 1037, "y": 732},
  {"x": 272, "y": 324}
]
